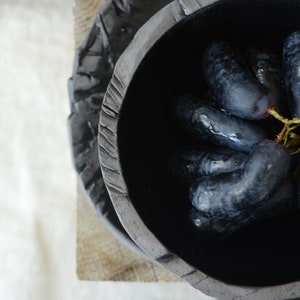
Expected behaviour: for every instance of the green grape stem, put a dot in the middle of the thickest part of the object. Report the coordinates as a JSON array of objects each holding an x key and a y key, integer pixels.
[{"x": 287, "y": 136}]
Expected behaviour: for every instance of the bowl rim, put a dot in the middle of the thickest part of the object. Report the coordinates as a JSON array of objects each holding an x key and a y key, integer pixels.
[
  {"x": 94, "y": 45},
  {"x": 125, "y": 68}
]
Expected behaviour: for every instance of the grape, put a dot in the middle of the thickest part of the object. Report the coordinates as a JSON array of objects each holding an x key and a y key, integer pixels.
[
  {"x": 193, "y": 163},
  {"x": 280, "y": 203},
  {"x": 217, "y": 228},
  {"x": 227, "y": 195},
  {"x": 291, "y": 71},
  {"x": 208, "y": 121},
  {"x": 232, "y": 84},
  {"x": 298, "y": 192},
  {"x": 266, "y": 66}
]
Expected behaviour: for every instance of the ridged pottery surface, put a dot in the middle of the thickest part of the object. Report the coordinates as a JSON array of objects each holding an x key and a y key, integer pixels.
[{"x": 114, "y": 27}]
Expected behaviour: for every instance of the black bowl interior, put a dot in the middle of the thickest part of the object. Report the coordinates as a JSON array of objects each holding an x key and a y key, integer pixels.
[{"x": 260, "y": 255}]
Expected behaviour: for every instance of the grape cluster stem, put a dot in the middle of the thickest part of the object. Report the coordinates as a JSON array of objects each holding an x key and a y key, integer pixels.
[{"x": 287, "y": 136}]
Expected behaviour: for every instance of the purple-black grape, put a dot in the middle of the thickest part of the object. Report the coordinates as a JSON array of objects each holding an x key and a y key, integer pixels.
[
  {"x": 233, "y": 86},
  {"x": 208, "y": 121},
  {"x": 291, "y": 71},
  {"x": 280, "y": 203},
  {"x": 193, "y": 163},
  {"x": 265, "y": 64},
  {"x": 227, "y": 195},
  {"x": 298, "y": 192}
]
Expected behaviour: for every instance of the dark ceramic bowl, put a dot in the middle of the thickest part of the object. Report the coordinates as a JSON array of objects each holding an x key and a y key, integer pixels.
[{"x": 136, "y": 135}]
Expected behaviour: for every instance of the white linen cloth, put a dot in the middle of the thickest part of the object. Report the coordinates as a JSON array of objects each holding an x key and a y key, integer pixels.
[{"x": 37, "y": 181}]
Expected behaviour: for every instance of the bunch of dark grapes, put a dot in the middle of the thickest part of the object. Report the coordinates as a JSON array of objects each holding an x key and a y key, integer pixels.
[{"x": 247, "y": 167}]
